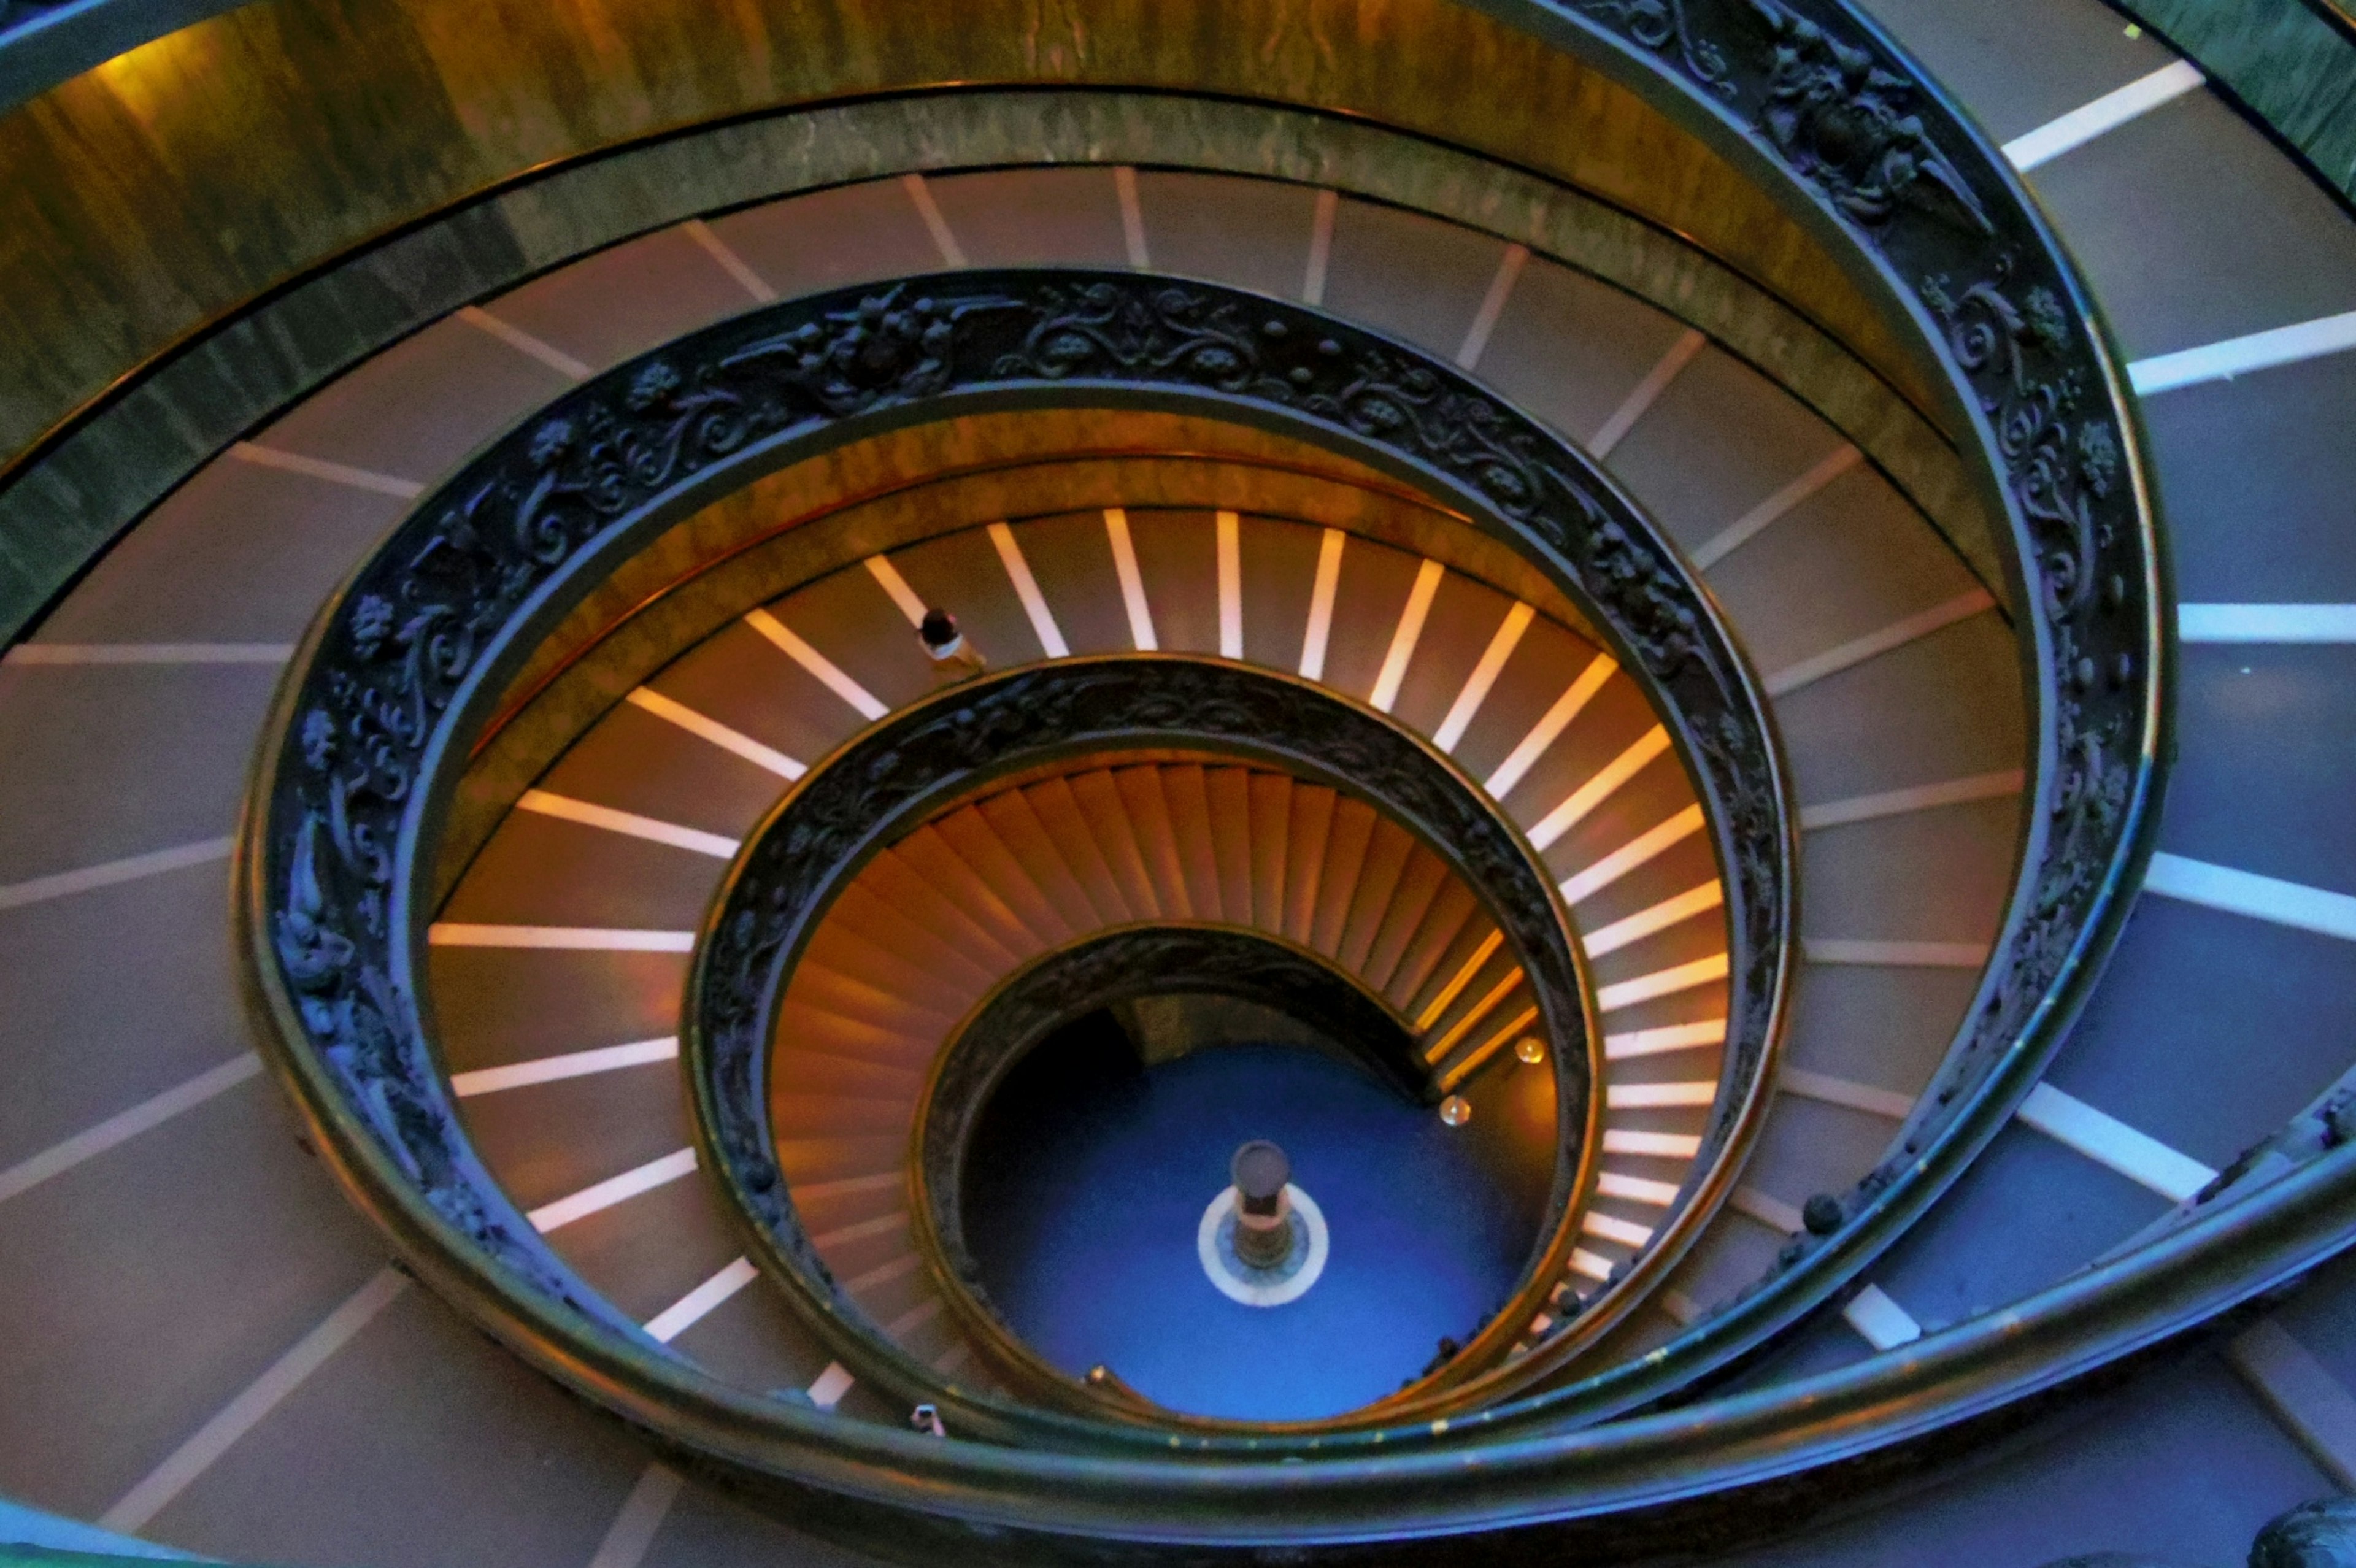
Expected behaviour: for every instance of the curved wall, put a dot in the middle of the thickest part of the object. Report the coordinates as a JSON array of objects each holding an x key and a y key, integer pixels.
[{"x": 152, "y": 200}]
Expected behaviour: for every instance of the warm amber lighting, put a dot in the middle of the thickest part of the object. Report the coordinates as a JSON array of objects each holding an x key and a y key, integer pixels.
[{"x": 1456, "y": 1110}]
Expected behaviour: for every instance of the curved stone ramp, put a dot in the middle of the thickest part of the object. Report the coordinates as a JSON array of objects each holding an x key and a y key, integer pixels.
[
  {"x": 123, "y": 778},
  {"x": 2230, "y": 1001}
]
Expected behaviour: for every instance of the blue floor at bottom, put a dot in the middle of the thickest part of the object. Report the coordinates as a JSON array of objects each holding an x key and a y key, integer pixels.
[{"x": 1083, "y": 1200}]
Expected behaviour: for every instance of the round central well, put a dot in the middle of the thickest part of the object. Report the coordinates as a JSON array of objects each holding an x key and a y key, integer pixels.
[{"x": 1084, "y": 1206}]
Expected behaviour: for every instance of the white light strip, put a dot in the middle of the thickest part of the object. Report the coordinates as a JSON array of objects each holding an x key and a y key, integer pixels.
[
  {"x": 1656, "y": 1041},
  {"x": 728, "y": 261},
  {"x": 604, "y": 1195},
  {"x": 1920, "y": 797},
  {"x": 108, "y": 873},
  {"x": 1600, "y": 787},
  {"x": 1132, "y": 216},
  {"x": 848, "y": 1187},
  {"x": 829, "y": 675},
  {"x": 1661, "y": 983},
  {"x": 1755, "y": 521},
  {"x": 1588, "y": 1264},
  {"x": 719, "y": 734},
  {"x": 565, "y": 808},
  {"x": 701, "y": 1302},
  {"x": 1492, "y": 305},
  {"x": 1484, "y": 675},
  {"x": 1320, "y": 247},
  {"x": 1656, "y": 381},
  {"x": 1663, "y": 1145},
  {"x": 524, "y": 343},
  {"x": 2302, "y": 1395},
  {"x": 2108, "y": 113},
  {"x": 827, "y": 1390},
  {"x": 1550, "y": 725},
  {"x": 916, "y": 1317},
  {"x": 1626, "y": 1233},
  {"x": 1770, "y": 1211},
  {"x": 2240, "y": 356},
  {"x": 1621, "y": 861},
  {"x": 124, "y": 1126},
  {"x": 24, "y": 653},
  {"x": 1404, "y": 638},
  {"x": 1231, "y": 586},
  {"x": 896, "y": 588},
  {"x": 2247, "y": 893},
  {"x": 1461, "y": 978},
  {"x": 1873, "y": 645},
  {"x": 1636, "y": 1189},
  {"x": 2109, "y": 1142},
  {"x": 634, "y": 1529},
  {"x": 843, "y": 1235},
  {"x": 1026, "y": 589},
  {"x": 1478, "y": 1057},
  {"x": 1842, "y": 1092},
  {"x": 1883, "y": 1322},
  {"x": 920, "y": 196},
  {"x": 2266, "y": 623},
  {"x": 1895, "y": 955},
  {"x": 555, "y": 1069},
  {"x": 260, "y": 456},
  {"x": 883, "y": 1274},
  {"x": 1635, "y": 928},
  {"x": 192, "y": 1458},
  {"x": 1132, "y": 582},
  {"x": 1320, "y": 604},
  {"x": 559, "y": 938},
  {"x": 1656, "y": 1096}
]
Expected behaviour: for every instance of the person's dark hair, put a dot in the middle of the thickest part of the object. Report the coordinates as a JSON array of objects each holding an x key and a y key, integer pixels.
[{"x": 939, "y": 629}]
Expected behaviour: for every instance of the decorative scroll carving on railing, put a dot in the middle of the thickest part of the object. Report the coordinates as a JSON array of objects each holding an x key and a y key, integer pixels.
[{"x": 1817, "y": 92}]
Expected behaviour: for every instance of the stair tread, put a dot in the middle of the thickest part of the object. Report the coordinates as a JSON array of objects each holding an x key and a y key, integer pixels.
[
  {"x": 971, "y": 868},
  {"x": 1388, "y": 852},
  {"x": 1228, "y": 790},
  {"x": 1066, "y": 823},
  {"x": 1187, "y": 795},
  {"x": 1139, "y": 790},
  {"x": 1014, "y": 819},
  {"x": 1271, "y": 817},
  {"x": 1304, "y": 850},
  {"x": 1105, "y": 812},
  {"x": 1419, "y": 882},
  {"x": 1345, "y": 859}
]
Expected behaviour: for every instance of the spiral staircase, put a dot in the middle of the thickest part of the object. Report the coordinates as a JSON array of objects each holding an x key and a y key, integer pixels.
[{"x": 1699, "y": 641}]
